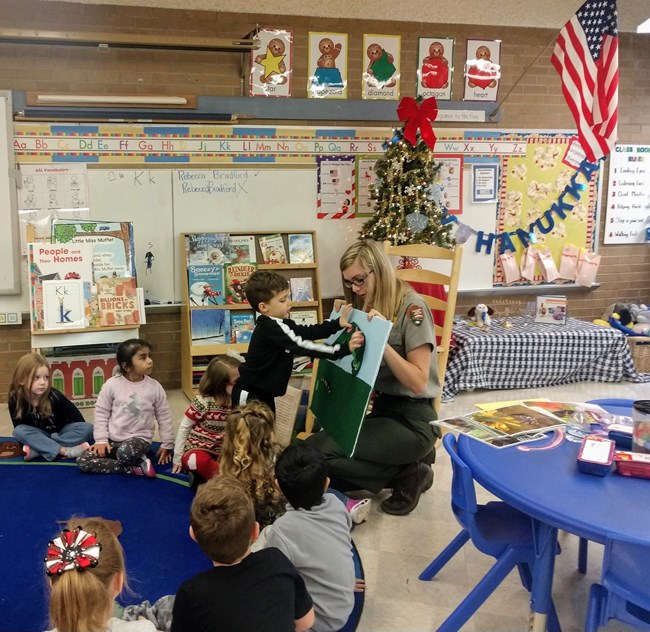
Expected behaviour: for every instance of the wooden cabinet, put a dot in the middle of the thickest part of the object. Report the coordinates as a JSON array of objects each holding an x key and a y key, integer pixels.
[{"x": 207, "y": 318}]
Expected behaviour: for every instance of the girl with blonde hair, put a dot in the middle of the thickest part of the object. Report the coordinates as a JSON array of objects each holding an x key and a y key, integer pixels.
[
  {"x": 85, "y": 565},
  {"x": 396, "y": 444},
  {"x": 249, "y": 454},
  {"x": 45, "y": 421}
]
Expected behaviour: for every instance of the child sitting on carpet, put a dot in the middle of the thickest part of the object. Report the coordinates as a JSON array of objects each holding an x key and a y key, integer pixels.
[
  {"x": 314, "y": 534},
  {"x": 126, "y": 412},
  {"x": 45, "y": 421},
  {"x": 244, "y": 590},
  {"x": 85, "y": 564},
  {"x": 249, "y": 455},
  {"x": 200, "y": 436}
]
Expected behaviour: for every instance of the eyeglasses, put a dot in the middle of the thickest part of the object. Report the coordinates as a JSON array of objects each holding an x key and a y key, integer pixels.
[{"x": 358, "y": 280}]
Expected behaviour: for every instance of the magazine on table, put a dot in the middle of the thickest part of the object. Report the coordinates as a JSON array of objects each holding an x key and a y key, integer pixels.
[{"x": 505, "y": 426}]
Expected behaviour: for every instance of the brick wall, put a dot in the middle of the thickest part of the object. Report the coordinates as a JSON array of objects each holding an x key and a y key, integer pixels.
[{"x": 535, "y": 102}]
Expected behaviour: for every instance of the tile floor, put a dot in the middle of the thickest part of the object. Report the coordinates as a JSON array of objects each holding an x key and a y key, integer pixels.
[{"x": 394, "y": 550}]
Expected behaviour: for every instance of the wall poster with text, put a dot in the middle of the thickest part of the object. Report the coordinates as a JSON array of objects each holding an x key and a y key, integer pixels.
[
  {"x": 435, "y": 67},
  {"x": 381, "y": 74},
  {"x": 271, "y": 64},
  {"x": 328, "y": 65}
]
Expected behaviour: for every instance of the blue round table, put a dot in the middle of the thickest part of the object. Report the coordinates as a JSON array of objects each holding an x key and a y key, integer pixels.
[{"x": 547, "y": 485}]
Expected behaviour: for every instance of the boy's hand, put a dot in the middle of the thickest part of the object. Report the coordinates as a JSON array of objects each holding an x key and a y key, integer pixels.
[
  {"x": 100, "y": 449},
  {"x": 164, "y": 455},
  {"x": 177, "y": 469},
  {"x": 343, "y": 318},
  {"x": 356, "y": 340}
]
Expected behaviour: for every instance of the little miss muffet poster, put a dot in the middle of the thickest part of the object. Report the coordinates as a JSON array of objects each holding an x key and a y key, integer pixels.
[
  {"x": 381, "y": 76},
  {"x": 482, "y": 70},
  {"x": 271, "y": 64},
  {"x": 328, "y": 65}
]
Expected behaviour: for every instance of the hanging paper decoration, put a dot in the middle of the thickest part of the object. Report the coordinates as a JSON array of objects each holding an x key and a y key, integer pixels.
[
  {"x": 463, "y": 233},
  {"x": 416, "y": 222},
  {"x": 418, "y": 117}
]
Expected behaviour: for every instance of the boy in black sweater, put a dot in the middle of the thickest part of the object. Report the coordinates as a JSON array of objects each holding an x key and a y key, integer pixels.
[{"x": 276, "y": 338}]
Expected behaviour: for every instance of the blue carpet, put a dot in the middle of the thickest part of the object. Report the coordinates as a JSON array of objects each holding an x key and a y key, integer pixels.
[{"x": 155, "y": 518}]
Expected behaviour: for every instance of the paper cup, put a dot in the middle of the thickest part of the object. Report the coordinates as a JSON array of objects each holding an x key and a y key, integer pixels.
[{"x": 641, "y": 433}]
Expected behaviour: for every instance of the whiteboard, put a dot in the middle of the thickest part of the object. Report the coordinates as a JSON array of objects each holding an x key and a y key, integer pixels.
[{"x": 258, "y": 199}]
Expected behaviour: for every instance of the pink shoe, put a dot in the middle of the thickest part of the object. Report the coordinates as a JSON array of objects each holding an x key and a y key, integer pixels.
[
  {"x": 358, "y": 509},
  {"x": 145, "y": 468},
  {"x": 28, "y": 453}
]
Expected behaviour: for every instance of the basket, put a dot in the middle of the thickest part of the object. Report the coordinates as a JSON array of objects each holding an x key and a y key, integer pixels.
[{"x": 640, "y": 350}]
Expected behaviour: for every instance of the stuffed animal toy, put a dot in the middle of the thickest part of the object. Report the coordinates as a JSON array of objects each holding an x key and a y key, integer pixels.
[{"x": 481, "y": 314}]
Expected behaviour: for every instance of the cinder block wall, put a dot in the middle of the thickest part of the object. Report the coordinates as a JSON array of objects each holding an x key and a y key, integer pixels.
[{"x": 535, "y": 102}]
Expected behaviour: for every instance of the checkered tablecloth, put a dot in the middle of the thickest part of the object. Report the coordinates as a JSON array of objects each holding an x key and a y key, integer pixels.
[{"x": 530, "y": 355}]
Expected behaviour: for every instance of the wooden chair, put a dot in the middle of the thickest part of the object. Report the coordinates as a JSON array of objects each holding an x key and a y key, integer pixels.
[{"x": 445, "y": 272}]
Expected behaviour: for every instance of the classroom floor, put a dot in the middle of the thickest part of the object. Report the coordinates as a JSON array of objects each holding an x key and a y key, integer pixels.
[{"x": 394, "y": 550}]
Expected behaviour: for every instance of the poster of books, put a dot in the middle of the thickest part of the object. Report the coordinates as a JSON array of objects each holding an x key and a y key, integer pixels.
[
  {"x": 271, "y": 63},
  {"x": 241, "y": 326},
  {"x": 210, "y": 248},
  {"x": 336, "y": 187},
  {"x": 302, "y": 290},
  {"x": 64, "y": 304},
  {"x": 242, "y": 249},
  {"x": 502, "y": 427},
  {"x": 117, "y": 299},
  {"x": 235, "y": 277},
  {"x": 210, "y": 326},
  {"x": 112, "y": 244},
  {"x": 273, "y": 250},
  {"x": 57, "y": 262},
  {"x": 301, "y": 248},
  {"x": 205, "y": 283}
]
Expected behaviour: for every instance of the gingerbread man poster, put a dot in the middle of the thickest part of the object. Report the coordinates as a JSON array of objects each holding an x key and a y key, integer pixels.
[
  {"x": 435, "y": 67},
  {"x": 271, "y": 64},
  {"x": 482, "y": 70},
  {"x": 381, "y": 75},
  {"x": 328, "y": 65}
]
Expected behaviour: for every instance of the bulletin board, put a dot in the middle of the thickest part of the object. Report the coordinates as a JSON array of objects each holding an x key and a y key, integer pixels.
[{"x": 173, "y": 179}]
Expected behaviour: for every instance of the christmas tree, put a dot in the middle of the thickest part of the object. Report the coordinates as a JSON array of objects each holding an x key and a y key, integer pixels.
[{"x": 407, "y": 198}]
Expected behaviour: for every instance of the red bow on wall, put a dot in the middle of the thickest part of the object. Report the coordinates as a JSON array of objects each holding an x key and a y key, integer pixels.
[{"x": 418, "y": 117}]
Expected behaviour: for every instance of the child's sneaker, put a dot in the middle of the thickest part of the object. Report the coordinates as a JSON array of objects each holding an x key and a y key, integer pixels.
[
  {"x": 358, "y": 509},
  {"x": 28, "y": 453},
  {"x": 72, "y": 452},
  {"x": 145, "y": 468}
]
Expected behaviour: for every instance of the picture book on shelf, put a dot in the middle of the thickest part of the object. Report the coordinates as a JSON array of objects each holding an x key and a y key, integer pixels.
[
  {"x": 304, "y": 316},
  {"x": 118, "y": 302},
  {"x": 207, "y": 248},
  {"x": 210, "y": 326},
  {"x": 112, "y": 244},
  {"x": 242, "y": 249},
  {"x": 301, "y": 248},
  {"x": 272, "y": 248},
  {"x": 205, "y": 284},
  {"x": 301, "y": 289},
  {"x": 58, "y": 262},
  {"x": 505, "y": 426},
  {"x": 235, "y": 277},
  {"x": 241, "y": 326},
  {"x": 64, "y": 304},
  {"x": 551, "y": 309}
]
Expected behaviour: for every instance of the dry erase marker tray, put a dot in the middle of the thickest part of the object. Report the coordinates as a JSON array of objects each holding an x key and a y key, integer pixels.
[{"x": 635, "y": 464}]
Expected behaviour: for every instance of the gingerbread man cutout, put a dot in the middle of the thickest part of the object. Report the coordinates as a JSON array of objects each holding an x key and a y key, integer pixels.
[
  {"x": 327, "y": 74},
  {"x": 435, "y": 68},
  {"x": 484, "y": 73},
  {"x": 273, "y": 62},
  {"x": 381, "y": 67}
]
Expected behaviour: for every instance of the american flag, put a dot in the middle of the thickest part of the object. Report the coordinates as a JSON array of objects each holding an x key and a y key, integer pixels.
[{"x": 586, "y": 57}]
